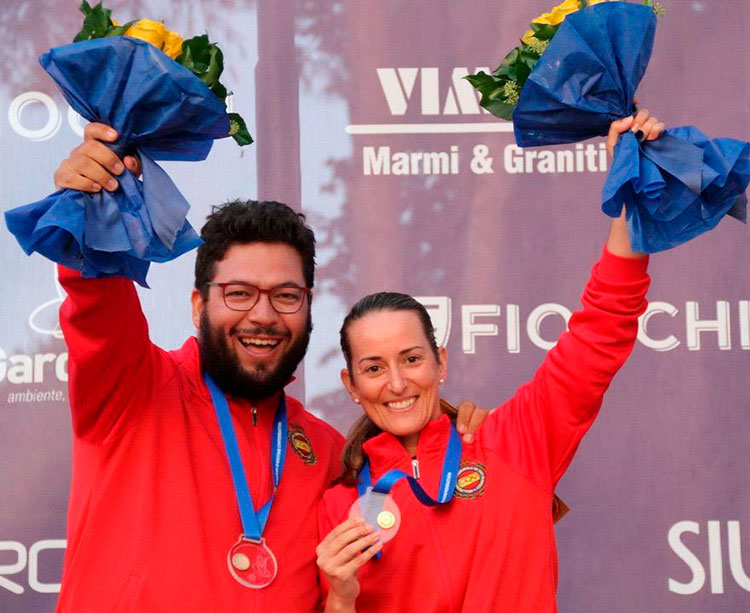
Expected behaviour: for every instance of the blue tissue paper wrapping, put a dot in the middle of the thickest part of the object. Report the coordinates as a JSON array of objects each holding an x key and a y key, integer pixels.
[{"x": 161, "y": 111}]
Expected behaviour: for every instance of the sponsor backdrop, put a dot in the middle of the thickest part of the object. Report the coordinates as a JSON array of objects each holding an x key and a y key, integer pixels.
[{"x": 363, "y": 121}]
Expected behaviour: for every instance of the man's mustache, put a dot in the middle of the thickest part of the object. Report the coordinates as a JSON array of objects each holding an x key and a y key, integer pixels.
[{"x": 260, "y": 331}]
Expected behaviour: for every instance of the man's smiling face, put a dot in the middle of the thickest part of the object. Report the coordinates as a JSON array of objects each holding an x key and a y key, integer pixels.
[{"x": 252, "y": 354}]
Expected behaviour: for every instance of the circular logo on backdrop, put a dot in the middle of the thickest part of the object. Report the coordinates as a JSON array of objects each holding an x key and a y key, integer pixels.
[
  {"x": 301, "y": 445},
  {"x": 470, "y": 481}
]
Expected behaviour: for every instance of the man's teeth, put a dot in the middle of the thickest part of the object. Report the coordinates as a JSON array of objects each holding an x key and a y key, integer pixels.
[
  {"x": 400, "y": 404},
  {"x": 259, "y": 342}
]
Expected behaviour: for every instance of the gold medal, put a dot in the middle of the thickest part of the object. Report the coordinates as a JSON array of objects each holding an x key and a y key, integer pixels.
[
  {"x": 240, "y": 561},
  {"x": 386, "y": 520}
]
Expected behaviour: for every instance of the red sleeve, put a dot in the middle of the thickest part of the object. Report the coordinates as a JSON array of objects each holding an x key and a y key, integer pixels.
[
  {"x": 113, "y": 366},
  {"x": 326, "y": 523},
  {"x": 539, "y": 429},
  {"x": 333, "y": 509}
]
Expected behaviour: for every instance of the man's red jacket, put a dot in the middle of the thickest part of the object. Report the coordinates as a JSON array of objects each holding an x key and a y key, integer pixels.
[{"x": 152, "y": 511}]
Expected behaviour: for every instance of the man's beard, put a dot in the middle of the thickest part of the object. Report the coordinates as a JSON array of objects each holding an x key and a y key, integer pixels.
[{"x": 225, "y": 368}]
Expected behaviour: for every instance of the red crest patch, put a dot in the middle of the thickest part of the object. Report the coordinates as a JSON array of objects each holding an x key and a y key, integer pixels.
[
  {"x": 301, "y": 444},
  {"x": 470, "y": 480}
]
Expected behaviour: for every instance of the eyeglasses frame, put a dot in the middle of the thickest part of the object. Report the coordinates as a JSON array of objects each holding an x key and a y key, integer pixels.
[{"x": 305, "y": 290}]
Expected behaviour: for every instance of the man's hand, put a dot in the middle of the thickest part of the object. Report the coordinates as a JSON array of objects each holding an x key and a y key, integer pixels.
[
  {"x": 470, "y": 417},
  {"x": 347, "y": 547},
  {"x": 92, "y": 165}
]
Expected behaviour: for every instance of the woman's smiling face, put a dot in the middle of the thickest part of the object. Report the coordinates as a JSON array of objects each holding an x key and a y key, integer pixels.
[{"x": 394, "y": 372}]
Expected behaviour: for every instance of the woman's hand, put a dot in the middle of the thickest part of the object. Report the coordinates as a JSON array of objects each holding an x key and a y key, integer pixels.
[
  {"x": 92, "y": 165},
  {"x": 618, "y": 242},
  {"x": 341, "y": 554},
  {"x": 643, "y": 122}
]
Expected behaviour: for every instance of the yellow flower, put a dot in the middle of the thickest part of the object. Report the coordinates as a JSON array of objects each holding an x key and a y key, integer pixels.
[
  {"x": 151, "y": 31},
  {"x": 556, "y": 16},
  {"x": 172, "y": 44},
  {"x": 527, "y": 37},
  {"x": 558, "y": 13}
]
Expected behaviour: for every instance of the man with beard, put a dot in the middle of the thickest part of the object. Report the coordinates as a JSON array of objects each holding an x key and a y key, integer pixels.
[{"x": 153, "y": 521}]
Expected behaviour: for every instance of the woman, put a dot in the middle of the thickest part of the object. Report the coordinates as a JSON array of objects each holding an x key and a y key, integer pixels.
[{"x": 491, "y": 546}]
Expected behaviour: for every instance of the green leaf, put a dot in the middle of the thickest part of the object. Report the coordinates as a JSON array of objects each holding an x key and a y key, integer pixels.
[
  {"x": 507, "y": 67},
  {"x": 96, "y": 22},
  {"x": 220, "y": 91},
  {"x": 492, "y": 89},
  {"x": 185, "y": 58},
  {"x": 500, "y": 109},
  {"x": 197, "y": 52},
  {"x": 119, "y": 30},
  {"x": 238, "y": 130},
  {"x": 215, "y": 66},
  {"x": 517, "y": 65},
  {"x": 84, "y": 7},
  {"x": 544, "y": 31}
]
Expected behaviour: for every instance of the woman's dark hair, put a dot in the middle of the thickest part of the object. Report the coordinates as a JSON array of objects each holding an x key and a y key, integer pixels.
[
  {"x": 363, "y": 429},
  {"x": 386, "y": 301},
  {"x": 251, "y": 221}
]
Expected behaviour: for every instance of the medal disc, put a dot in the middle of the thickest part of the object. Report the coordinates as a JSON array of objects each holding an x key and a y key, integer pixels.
[
  {"x": 252, "y": 563},
  {"x": 380, "y": 511}
]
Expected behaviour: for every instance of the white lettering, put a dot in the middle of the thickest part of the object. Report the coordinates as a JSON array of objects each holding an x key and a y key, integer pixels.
[
  {"x": 583, "y": 159},
  {"x": 654, "y": 308},
  {"x": 34, "y": 551},
  {"x": 462, "y": 95},
  {"x": 537, "y": 316},
  {"x": 32, "y": 558},
  {"x": 376, "y": 164},
  {"x": 471, "y": 329},
  {"x": 12, "y": 569},
  {"x": 715, "y": 557},
  {"x": 26, "y": 100},
  {"x": 61, "y": 367},
  {"x": 439, "y": 310},
  {"x": 513, "y": 159},
  {"x": 460, "y": 98},
  {"x": 513, "y": 328},
  {"x": 715, "y": 563},
  {"x": 720, "y": 325},
  {"x": 21, "y": 370},
  {"x": 744, "y": 308},
  {"x": 397, "y": 87},
  {"x": 430, "y": 91},
  {"x": 383, "y": 162},
  {"x": 74, "y": 121},
  {"x": 735, "y": 555},
  {"x": 694, "y": 564},
  {"x": 40, "y": 359}
]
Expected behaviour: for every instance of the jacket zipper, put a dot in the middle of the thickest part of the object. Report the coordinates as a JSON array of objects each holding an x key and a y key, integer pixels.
[
  {"x": 254, "y": 412},
  {"x": 415, "y": 468}
]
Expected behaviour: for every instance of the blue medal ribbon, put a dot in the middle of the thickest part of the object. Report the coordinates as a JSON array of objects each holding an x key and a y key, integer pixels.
[
  {"x": 451, "y": 463},
  {"x": 253, "y": 522}
]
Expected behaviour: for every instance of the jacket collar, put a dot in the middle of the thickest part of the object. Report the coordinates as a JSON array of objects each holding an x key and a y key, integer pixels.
[{"x": 386, "y": 452}]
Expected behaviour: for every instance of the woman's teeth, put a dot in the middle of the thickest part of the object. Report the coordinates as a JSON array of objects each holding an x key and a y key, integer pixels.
[{"x": 401, "y": 404}]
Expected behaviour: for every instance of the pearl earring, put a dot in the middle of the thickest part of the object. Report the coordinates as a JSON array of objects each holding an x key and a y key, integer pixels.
[
  {"x": 442, "y": 381},
  {"x": 356, "y": 400}
]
